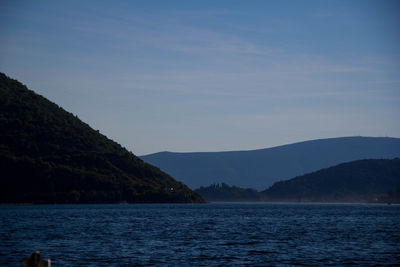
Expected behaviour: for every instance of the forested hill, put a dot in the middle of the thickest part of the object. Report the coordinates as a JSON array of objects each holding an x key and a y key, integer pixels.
[
  {"x": 259, "y": 169},
  {"x": 48, "y": 155},
  {"x": 225, "y": 193},
  {"x": 358, "y": 181}
]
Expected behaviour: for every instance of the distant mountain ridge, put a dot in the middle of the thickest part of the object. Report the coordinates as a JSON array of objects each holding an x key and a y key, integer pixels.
[
  {"x": 259, "y": 169},
  {"x": 357, "y": 181},
  {"x": 362, "y": 181},
  {"x": 48, "y": 155}
]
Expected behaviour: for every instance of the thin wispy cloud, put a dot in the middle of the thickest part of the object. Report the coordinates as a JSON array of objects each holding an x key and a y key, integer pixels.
[{"x": 217, "y": 72}]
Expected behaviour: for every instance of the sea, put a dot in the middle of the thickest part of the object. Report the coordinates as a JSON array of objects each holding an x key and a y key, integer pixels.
[{"x": 214, "y": 234}]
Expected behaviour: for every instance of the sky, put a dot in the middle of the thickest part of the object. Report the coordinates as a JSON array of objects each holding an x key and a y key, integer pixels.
[{"x": 184, "y": 76}]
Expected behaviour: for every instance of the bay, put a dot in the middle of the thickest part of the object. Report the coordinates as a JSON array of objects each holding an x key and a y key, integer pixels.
[{"x": 215, "y": 234}]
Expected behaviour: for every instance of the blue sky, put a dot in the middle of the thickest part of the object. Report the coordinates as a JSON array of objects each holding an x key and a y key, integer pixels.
[{"x": 211, "y": 75}]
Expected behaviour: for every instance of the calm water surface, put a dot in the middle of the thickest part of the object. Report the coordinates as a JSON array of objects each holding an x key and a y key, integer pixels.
[{"x": 205, "y": 235}]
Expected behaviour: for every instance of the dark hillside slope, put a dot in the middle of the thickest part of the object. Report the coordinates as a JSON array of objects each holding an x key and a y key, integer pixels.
[
  {"x": 357, "y": 181},
  {"x": 259, "y": 169},
  {"x": 48, "y": 155}
]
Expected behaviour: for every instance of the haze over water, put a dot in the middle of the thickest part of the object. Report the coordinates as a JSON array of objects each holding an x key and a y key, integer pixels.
[{"x": 190, "y": 76}]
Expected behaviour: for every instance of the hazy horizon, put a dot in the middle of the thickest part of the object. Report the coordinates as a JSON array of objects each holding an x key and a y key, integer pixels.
[{"x": 188, "y": 76}]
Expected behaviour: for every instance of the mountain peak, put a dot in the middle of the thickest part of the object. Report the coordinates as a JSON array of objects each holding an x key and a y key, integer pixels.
[{"x": 260, "y": 168}]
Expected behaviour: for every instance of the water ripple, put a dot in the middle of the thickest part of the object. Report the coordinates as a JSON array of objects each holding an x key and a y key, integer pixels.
[{"x": 202, "y": 235}]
